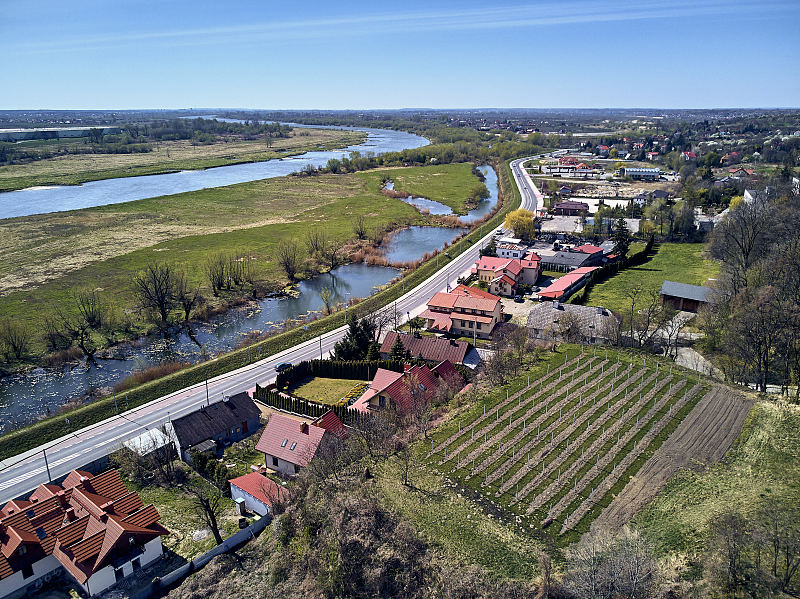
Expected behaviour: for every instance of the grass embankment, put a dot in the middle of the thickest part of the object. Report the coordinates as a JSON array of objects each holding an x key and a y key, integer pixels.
[
  {"x": 762, "y": 467},
  {"x": 324, "y": 390},
  {"x": 169, "y": 156},
  {"x": 679, "y": 262},
  {"x": 51, "y": 428}
]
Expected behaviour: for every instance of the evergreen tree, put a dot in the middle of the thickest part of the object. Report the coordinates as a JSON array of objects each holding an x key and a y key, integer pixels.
[
  {"x": 398, "y": 351},
  {"x": 355, "y": 344},
  {"x": 373, "y": 352},
  {"x": 622, "y": 237}
]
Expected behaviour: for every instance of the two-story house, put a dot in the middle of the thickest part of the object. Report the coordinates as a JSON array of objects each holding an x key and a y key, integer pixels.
[{"x": 465, "y": 311}]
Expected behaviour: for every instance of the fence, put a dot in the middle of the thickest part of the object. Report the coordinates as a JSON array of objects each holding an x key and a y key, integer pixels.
[{"x": 178, "y": 574}]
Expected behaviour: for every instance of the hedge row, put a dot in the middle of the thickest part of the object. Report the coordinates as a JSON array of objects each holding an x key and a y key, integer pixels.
[
  {"x": 52, "y": 428},
  {"x": 304, "y": 407},
  {"x": 335, "y": 369}
]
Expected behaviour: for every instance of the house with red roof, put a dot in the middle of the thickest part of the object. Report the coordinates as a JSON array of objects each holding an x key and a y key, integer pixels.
[
  {"x": 465, "y": 311},
  {"x": 256, "y": 493},
  {"x": 651, "y": 155},
  {"x": 687, "y": 156},
  {"x": 415, "y": 386},
  {"x": 432, "y": 349},
  {"x": 90, "y": 527},
  {"x": 503, "y": 275},
  {"x": 741, "y": 172},
  {"x": 289, "y": 444}
]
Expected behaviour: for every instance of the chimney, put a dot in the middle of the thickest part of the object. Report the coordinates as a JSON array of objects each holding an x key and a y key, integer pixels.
[
  {"x": 304, "y": 428},
  {"x": 406, "y": 367}
]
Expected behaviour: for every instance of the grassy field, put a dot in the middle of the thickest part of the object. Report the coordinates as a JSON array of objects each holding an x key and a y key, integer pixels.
[
  {"x": 178, "y": 515},
  {"x": 168, "y": 156},
  {"x": 551, "y": 453},
  {"x": 763, "y": 466},
  {"x": 324, "y": 390},
  {"x": 48, "y": 256},
  {"x": 439, "y": 510},
  {"x": 679, "y": 262},
  {"x": 436, "y": 188}
]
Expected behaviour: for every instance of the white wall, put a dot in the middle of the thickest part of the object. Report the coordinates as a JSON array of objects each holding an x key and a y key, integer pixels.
[
  {"x": 104, "y": 578},
  {"x": 14, "y": 585},
  {"x": 283, "y": 466},
  {"x": 251, "y": 503}
]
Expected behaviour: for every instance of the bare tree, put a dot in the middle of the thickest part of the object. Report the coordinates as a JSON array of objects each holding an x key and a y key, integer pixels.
[
  {"x": 15, "y": 337},
  {"x": 604, "y": 566},
  {"x": 187, "y": 296},
  {"x": 332, "y": 253},
  {"x": 287, "y": 257},
  {"x": 316, "y": 240},
  {"x": 216, "y": 269},
  {"x": 79, "y": 323},
  {"x": 360, "y": 227},
  {"x": 156, "y": 290},
  {"x": 376, "y": 432},
  {"x": 326, "y": 295},
  {"x": 208, "y": 507}
]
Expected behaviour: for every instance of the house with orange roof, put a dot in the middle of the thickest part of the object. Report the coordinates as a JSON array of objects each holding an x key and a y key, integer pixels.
[
  {"x": 90, "y": 527},
  {"x": 256, "y": 493},
  {"x": 465, "y": 311}
]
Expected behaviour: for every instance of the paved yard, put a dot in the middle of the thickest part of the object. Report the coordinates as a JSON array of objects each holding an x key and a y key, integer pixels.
[{"x": 518, "y": 312}]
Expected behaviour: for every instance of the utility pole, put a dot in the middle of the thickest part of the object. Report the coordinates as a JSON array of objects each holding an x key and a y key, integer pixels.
[
  {"x": 320, "y": 347},
  {"x": 208, "y": 401},
  {"x": 47, "y": 466}
]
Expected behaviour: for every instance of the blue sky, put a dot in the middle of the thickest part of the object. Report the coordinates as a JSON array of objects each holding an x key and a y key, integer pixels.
[{"x": 109, "y": 54}]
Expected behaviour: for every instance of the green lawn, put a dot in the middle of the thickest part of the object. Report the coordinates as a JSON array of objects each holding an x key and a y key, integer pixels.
[
  {"x": 763, "y": 465},
  {"x": 453, "y": 185},
  {"x": 324, "y": 390},
  {"x": 456, "y": 524},
  {"x": 679, "y": 262}
]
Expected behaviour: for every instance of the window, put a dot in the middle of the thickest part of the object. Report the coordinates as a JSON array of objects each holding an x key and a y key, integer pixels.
[
  {"x": 23, "y": 549},
  {"x": 296, "y": 468},
  {"x": 381, "y": 401},
  {"x": 285, "y": 441},
  {"x": 118, "y": 574},
  {"x": 470, "y": 324},
  {"x": 27, "y": 571},
  {"x": 274, "y": 461},
  {"x": 137, "y": 564},
  {"x": 293, "y": 446}
]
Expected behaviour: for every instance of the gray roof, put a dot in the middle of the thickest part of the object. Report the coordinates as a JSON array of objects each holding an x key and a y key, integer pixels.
[
  {"x": 217, "y": 419},
  {"x": 593, "y": 320},
  {"x": 575, "y": 259},
  {"x": 692, "y": 292}
]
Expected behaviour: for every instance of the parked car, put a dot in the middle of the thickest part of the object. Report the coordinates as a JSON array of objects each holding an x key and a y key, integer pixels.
[
  {"x": 283, "y": 366},
  {"x": 518, "y": 299}
]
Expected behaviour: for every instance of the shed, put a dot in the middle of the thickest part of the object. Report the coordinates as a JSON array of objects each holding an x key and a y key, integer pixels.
[{"x": 682, "y": 296}]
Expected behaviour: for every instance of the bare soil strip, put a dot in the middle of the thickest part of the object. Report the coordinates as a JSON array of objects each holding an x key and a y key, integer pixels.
[{"x": 702, "y": 438}]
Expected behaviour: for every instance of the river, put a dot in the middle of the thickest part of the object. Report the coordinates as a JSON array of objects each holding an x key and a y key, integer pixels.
[{"x": 25, "y": 396}]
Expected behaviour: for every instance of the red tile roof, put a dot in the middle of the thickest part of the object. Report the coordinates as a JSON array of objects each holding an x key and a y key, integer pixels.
[
  {"x": 560, "y": 285},
  {"x": 262, "y": 488},
  {"x": 588, "y": 248},
  {"x": 441, "y": 321},
  {"x": 331, "y": 423},
  {"x": 434, "y": 349},
  {"x": 82, "y": 545},
  {"x": 291, "y": 440}
]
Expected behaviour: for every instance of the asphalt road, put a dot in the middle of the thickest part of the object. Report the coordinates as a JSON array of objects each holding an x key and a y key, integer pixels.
[{"x": 23, "y": 473}]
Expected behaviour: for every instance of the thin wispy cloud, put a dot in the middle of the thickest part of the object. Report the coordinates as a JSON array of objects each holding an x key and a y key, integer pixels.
[{"x": 494, "y": 17}]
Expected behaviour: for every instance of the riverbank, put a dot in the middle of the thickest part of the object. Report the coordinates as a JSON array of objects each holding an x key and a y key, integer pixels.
[
  {"x": 171, "y": 157},
  {"x": 51, "y": 428}
]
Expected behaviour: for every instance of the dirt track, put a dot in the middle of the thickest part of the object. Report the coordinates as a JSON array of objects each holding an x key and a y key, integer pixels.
[{"x": 702, "y": 438}]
